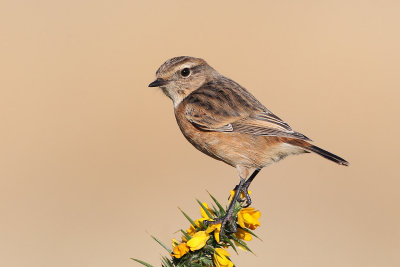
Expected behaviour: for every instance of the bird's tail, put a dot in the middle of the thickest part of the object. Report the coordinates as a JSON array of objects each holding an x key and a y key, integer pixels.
[
  {"x": 323, "y": 153},
  {"x": 327, "y": 155}
]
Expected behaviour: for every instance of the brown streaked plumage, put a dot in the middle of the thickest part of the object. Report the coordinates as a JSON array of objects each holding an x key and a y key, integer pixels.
[{"x": 225, "y": 121}]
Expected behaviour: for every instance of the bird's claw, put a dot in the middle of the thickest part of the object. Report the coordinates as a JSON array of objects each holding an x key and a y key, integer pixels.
[{"x": 246, "y": 198}]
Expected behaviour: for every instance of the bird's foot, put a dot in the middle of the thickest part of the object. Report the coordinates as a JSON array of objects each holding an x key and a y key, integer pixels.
[
  {"x": 228, "y": 224},
  {"x": 244, "y": 195},
  {"x": 229, "y": 218}
]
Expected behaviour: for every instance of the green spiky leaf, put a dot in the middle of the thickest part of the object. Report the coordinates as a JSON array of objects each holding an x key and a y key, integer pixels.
[
  {"x": 205, "y": 209},
  {"x": 221, "y": 209},
  {"x": 142, "y": 262},
  {"x": 251, "y": 232},
  {"x": 227, "y": 240},
  {"x": 162, "y": 244},
  {"x": 190, "y": 220},
  {"x": 167, "y": 262},
  {"x": 188, "y": 237},
  {"x": 241, "y": 243}
]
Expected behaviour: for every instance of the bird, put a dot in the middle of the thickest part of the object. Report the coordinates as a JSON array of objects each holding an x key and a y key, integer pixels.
[{"x": 225, "y": 121}]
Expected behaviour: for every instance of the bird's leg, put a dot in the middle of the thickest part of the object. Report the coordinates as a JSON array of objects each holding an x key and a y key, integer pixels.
[
  {"x": 240, "y": 199},
  {"x": 242, "y": 187},
  {"x": 245, "y": 188},
  {"x": 228, "y": 217}
]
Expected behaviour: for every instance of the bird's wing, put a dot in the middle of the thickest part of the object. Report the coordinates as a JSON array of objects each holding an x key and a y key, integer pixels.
[
  {"x": 266, "y": 125},
  {"x": 222, "y": 107}
]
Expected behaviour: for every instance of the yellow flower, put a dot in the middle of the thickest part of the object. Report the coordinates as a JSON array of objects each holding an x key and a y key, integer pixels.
[
  {"x": 191, "y": 231},
  {"x": 198, "y": 240},
  {"x": 220, "y": 259},
  {"x": 242, "y": 234},
  {"x": 203, "y": 212},
  {"x": 179, "y": 250},
  {"x": 248, "y": 217},
  {"x": 216, "y": 228},
  {"x": 241, "y": 194}
]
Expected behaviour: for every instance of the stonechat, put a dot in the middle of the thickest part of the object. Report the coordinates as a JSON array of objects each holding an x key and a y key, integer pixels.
[{"x": 225, "y": 121}]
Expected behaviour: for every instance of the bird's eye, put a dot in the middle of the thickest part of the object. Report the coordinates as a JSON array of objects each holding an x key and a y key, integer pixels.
[{"x": 185, "y": 72}]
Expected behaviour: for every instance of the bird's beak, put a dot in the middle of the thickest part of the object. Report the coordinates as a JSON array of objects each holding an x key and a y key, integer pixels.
[{"x": 157, "y": 83}]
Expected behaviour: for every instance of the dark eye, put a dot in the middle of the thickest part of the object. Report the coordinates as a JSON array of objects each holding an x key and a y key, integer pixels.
[{"x": 185, "y": 72}]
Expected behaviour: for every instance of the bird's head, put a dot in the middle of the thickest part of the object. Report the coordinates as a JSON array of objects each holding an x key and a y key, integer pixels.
[{"x": 179, "y": 76}]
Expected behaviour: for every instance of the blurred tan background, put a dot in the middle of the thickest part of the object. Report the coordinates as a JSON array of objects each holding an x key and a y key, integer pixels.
[{"x": 92, "y": 161}]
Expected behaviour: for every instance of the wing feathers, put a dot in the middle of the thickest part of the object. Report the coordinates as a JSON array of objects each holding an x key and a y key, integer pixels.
[
  {"x": 267, "y": 131},
  {"x": 221, "y": 107},
  {"x": 272, "y": 119}
]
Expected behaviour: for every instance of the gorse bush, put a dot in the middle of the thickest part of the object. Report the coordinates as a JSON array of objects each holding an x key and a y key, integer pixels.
[{"x": 204, "y": 244}]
